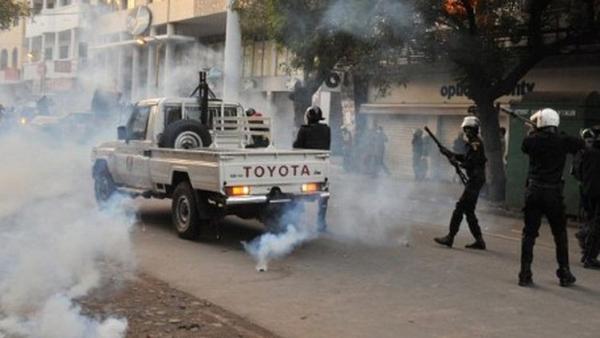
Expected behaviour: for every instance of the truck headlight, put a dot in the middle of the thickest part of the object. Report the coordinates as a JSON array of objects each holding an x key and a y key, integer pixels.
[
  {"x": 23, "y": 121},
  {"x": 311, "y": 187},
  {"x": 238, "y": 191}
]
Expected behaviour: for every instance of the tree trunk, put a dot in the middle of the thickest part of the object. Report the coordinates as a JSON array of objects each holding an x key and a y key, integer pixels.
[
  {"x": 490, "y": 128},
  {"x": 302, "y": 99}
]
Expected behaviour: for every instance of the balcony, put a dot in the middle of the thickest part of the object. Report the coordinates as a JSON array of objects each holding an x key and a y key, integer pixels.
[{"x": 57, "y": 19}]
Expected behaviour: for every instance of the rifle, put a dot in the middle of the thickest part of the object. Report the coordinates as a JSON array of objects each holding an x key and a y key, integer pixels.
[
  {"x": 517, "y": 116},
  {"x": 446, "y": 153}
]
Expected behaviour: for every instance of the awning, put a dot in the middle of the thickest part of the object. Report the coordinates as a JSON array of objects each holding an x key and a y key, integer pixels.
[
  {"x": 146, "y": 40},
  {"x": 414, "y": 109}
]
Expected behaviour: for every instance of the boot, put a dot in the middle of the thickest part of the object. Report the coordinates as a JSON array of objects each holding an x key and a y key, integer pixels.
[
  {"x": 565, "y": 277},
  {"x": 447, "y": 240},
  {"x": 525, "y": 278},
  {"x": 479, "y": 244},
  {"x": 591, "y": 263}
]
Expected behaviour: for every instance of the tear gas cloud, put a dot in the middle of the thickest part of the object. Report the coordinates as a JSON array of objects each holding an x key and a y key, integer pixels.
[{"x": 56, "y": 245}]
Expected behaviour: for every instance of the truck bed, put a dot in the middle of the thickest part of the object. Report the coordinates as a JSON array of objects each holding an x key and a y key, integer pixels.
[{"x": 262, "y": 169}]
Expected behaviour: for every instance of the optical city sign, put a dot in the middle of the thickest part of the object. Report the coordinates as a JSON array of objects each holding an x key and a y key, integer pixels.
[{"x": 457, "y": 90}]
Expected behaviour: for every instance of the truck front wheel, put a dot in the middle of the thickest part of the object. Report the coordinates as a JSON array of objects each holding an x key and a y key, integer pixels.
[
  {"x": 184, "y": 211},
  {"x": 104, "y": 186}
]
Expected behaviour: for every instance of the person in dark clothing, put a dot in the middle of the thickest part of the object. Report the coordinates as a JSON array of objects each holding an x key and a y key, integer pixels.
[
  {"x": 590, "y": 176},
  {"x": 258, "y": 141},
  {"x": 547, "y": 150},
  {"x": 315, "y": 135},
  {"x": 587, "y": 135},
  {"x": 419, "y": 155},
  {"x": 473, "y": 161},
  {"x": 379, "y": 162}
]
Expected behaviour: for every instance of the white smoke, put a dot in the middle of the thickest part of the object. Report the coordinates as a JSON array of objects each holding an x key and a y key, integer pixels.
[
  {"x": 271, "y": 246},
  {"x": 56, "y": 245}
]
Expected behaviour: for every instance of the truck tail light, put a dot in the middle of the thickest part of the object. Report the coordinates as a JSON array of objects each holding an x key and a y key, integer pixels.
[
  {"x": 238, "y": 191},
  {"x": 311, "y": 187}
]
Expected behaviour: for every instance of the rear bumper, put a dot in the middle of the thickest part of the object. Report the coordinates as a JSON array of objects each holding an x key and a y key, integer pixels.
[{"x": 265, "y": 199}]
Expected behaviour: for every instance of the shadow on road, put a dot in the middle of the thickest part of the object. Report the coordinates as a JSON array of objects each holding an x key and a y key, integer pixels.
[{"x": 157, "y": 215}]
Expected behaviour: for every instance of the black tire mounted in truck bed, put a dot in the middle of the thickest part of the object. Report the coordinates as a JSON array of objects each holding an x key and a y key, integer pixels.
[{"x": 185, "y": 134}]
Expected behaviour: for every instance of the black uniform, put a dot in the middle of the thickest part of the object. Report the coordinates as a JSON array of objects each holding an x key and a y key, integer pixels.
[
  {"x": 590, "y": 176},
  {"x": 547, "y": 156},
  {"x": 474, "y": 162},
  {"x": 315, "y": 136}
]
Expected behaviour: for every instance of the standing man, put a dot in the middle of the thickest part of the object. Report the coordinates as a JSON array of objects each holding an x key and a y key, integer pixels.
[
  {"x": 315, "y": 135},
  {"x": 588, "y": 137},
  {"x": 419, "y": 160},
  {"x": 473, "y": 161},
  {"x": 590, "y": 175},
  {"x": 547, "y": 151}
]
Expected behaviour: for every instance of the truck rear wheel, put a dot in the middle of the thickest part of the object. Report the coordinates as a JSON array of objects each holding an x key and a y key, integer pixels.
[
  {"x": 104, "y": 186},
  {"x": 185, "y": 134},
  {"x": 184, "y": 211}
]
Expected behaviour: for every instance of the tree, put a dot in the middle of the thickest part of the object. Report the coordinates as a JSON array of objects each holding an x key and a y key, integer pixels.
[
  {"x": 493, "y": 44},
  {"x": 325, "y": 35},
  {"x": 10, "y": 11}
]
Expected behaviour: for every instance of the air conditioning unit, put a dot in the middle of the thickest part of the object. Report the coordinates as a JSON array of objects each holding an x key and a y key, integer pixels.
[{"x": 334, "y": 80}]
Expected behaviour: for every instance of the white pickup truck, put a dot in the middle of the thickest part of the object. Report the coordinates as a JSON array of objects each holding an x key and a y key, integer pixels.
[{"x": 206, "y": 164}]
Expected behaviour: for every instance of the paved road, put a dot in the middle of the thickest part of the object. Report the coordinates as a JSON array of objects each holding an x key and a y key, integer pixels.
[{"x": 379, "y": 274}]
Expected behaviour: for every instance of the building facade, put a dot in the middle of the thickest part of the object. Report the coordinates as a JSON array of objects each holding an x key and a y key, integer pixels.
[
  {"x": 12, "y": 54},
  {"x": 432, "y": 97}
]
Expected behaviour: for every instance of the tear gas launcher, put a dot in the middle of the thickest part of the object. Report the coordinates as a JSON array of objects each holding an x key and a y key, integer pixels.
[
  {"x": 517, "y": 116},
  {"x": 449, "y": 155}
]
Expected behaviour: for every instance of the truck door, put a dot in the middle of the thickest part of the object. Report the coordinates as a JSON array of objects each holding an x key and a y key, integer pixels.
[{"x": 133, "y": 158}]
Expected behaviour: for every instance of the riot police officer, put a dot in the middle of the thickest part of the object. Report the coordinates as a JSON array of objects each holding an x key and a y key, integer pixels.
[
  {"x": 587, "y": 135},
  {"x": 590, "y": 177},
  {"x": 315, "y": 135},
  {"x": 474, "y": 162},
  {"x": 547, "y": 150}
]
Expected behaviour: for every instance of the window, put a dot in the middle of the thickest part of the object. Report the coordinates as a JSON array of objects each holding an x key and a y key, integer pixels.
[
  {"x": 192, "y": 112},
  {"x": 15, "y": 58},
  {"x": 3, "y": 59},
  {"x": 50, "y": 4},
  {"x": 138, "y": 123},
  {"x": 248, "y": 55},
  {"x": 48, "y": 53},
  {"x": 64, "y": 44},
  {"x": 83, "y": 50},
  {"x": 259, "y": 55},
  {"x": 36, "y": 48},
  {"x": 49, "y": 42},
  {"x": 172, "y": 113}
]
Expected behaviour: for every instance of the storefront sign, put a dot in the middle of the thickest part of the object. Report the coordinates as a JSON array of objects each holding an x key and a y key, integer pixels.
[{"x": 458, "y": 90}]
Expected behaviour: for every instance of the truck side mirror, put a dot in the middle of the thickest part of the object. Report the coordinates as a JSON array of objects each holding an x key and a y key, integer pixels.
[{"x": 122, "y": 133}]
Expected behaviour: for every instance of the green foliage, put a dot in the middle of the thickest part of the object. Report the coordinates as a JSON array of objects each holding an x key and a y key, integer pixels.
[
  {"x": 494, "y": 43},
  {"x": 10, "y": 11},
  {"x": 324, "y": 35}
]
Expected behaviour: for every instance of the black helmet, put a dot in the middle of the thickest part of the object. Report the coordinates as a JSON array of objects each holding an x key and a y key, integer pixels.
[
  {"x": 250, "y": 112},
  {"x": 313, "y": 114}
]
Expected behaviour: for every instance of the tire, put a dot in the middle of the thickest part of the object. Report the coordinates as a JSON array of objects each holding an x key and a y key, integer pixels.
[
  {"x": 185, "y": 134},
  {"x": 184, "y": 211},
  {"x": 104, "y": 185}
]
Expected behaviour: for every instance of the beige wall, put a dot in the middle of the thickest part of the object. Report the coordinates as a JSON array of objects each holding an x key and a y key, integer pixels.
[
  {"x": 14, "y": 38},
  {"x": 164, "y": 11}
]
